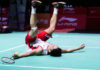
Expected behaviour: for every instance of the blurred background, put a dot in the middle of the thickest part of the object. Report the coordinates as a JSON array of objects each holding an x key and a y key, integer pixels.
[{"x": 77, "y": 15}]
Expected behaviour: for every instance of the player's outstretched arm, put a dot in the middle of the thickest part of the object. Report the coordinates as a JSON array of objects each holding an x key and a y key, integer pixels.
[
  {"x": 72, "y": 50},
  {"x": 28, "y": 53}
]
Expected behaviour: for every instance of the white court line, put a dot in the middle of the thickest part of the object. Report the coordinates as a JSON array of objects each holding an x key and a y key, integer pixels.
[
  {"x": 13, "y": 48},
  {"x": 37, "y": 67}
]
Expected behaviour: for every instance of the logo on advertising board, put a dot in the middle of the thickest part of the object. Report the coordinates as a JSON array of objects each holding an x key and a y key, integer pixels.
[
  {"x": 67, "y": 21},
  {"x": 68, "y": 10}
]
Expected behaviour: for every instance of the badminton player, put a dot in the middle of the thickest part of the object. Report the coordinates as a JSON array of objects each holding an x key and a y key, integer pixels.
[{"x": 37, "y": 41}]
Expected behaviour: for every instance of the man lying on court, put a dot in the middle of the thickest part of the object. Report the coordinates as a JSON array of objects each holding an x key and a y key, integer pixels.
[{"x": 37, "y": 41}]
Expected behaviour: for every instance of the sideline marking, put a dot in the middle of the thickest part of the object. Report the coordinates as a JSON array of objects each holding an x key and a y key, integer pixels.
[
  {"x": 12, "y": 48},
  {"x": 43, "y": 67}
]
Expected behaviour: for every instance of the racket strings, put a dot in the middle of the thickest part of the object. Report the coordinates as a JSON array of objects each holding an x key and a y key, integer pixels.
[{"x": 7, "y": 60}]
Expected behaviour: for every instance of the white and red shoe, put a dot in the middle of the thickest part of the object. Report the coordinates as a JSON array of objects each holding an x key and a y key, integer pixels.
[
  {"x": 58, "y": 4},
  {"x": 36, "y": 3}
]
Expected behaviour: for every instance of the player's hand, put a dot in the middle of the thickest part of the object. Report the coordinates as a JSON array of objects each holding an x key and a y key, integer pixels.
[
  {"x": 15, "y": 56},
  {"x": 82, "y": 46}
]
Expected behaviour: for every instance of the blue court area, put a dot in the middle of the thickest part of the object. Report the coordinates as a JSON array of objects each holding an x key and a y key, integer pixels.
[{"x": 85, "y": 59}]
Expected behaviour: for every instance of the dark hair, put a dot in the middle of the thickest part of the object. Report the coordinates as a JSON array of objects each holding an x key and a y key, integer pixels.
[{"x": 56, "y": 52}]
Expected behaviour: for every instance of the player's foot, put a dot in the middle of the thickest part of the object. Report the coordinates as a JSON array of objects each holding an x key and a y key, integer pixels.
[
  {"x": 58, "y": 4},
  {"x": 81, "y": 46},
  {"x": 36, "y": 3}
]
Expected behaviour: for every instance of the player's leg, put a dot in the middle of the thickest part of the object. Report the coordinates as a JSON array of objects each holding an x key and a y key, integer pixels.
[
  {"x": 37, "y": 51},
  {"x": 53, "y": 20},
  {"x": 33, "y": 18},
  {"x": 72, "y": 50},
  {"x": 47, "y": 33}
]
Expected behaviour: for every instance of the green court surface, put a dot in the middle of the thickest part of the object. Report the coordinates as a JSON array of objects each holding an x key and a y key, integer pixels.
[{"x": 85, "y": 59}]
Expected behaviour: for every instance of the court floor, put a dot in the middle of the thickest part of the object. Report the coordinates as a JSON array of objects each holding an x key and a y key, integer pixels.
[{"x": 85, "y": 59}]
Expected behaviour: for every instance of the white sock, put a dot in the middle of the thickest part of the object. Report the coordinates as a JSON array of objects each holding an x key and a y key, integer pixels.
[
  {"x": 55, "y": 11},
  {"x": 33, "y": 11}
]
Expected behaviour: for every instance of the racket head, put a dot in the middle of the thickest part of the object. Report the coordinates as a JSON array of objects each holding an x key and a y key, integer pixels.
[{"x": 8, "y": 60}]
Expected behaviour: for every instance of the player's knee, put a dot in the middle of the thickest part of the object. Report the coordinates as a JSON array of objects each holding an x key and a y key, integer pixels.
[{"x": 52, "y": 29}]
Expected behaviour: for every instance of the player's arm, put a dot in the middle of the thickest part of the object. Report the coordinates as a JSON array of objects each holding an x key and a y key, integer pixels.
[
  {"x": 72, "y": 50},
  {"x": 28, "y": 53}
]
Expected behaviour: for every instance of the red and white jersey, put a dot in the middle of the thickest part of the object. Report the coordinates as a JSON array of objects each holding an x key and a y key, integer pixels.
[{"x": 39, "y": 43}]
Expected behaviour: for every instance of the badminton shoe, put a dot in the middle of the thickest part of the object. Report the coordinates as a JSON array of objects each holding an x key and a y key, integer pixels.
[
  {"x": 36, "y": 3},
  {"x": 58, "y": 4}
]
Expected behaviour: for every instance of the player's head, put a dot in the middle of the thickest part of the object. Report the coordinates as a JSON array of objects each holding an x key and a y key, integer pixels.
[{"x": 56, "y": 52}]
